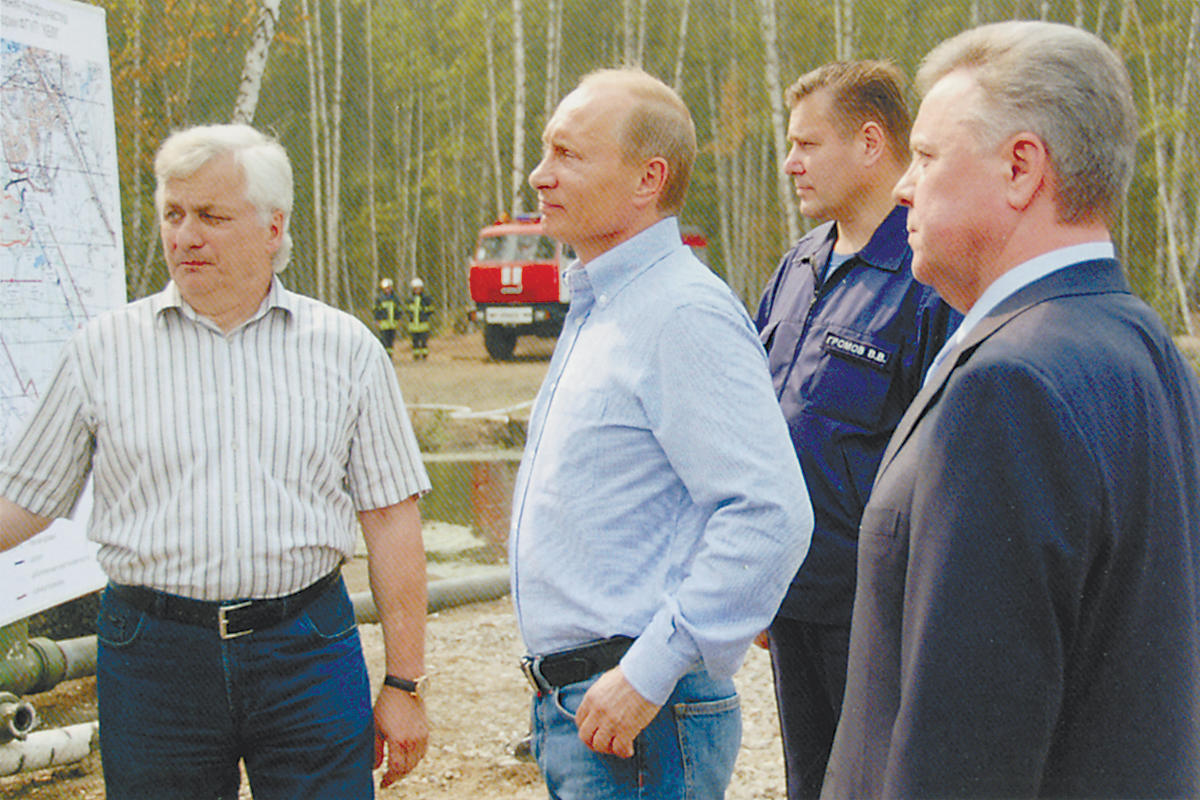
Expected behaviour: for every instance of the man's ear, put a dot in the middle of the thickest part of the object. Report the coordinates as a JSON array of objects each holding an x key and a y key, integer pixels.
[
  {"x": 873, "y": 140},
  {"x": 1028, "y": 168},
  {"x": 275, "y": 228},
  {"x": 653, "y": 182}
]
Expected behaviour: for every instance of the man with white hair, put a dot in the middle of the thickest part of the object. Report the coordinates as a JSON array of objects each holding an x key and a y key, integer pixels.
[
  {"x": 238, "y": 435},
  {"x": 1026, "y": 618}
]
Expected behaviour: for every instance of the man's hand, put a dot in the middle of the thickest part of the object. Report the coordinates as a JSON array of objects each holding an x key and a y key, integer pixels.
[
  {"x": 400, "y": 722},
  {"x": 613, "y": 714}
]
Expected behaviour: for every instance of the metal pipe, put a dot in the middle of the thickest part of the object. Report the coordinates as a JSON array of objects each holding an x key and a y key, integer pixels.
[
  {"x": 17, "y": 718},
  {"x": 52, "y": 748},
  {"x": 444, "y": 593},
  {"x": 38, "y": 665}
]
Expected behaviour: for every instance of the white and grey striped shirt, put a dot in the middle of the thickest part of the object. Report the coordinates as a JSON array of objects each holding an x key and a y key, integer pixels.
[{"x": 225, "y": 466}]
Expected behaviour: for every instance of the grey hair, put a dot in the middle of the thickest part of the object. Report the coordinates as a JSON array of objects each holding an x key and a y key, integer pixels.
[
  {"x": 1061, "y": 83},
  {"x": 263, "y": 162}
]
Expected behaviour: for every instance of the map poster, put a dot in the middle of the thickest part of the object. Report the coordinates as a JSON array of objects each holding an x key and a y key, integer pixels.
[{"x": 61, "y": 255}]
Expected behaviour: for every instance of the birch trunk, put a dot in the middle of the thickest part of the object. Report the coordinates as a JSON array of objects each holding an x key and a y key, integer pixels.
[
  {"x": 402, "y": 142},
  {"x": 681, "y": 50},
  {"x": 414, "y": 224},
  {"x": 256, "y": 63},
  {"x": 1166, "y": 191},
  {"x": 518, "y": 154},
  {"x": 318, "y": 126},
  {"x": 783, "y": 187},
  {"x": 372, "y": 213},
  {"x": 137, "y": 179},
  {"x": 627, "y": 32},
  {"x": 554, "y": 14},
  {"x": 489, "y": 33},
  {"x": 333, "y": 172},
  {"x": 641, "y": 34}
]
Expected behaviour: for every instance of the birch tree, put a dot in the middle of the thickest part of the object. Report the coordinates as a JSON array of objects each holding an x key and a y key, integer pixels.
[
  {"x": 333, "y": 167},
  {"x": 681, "y": 49},
  {"x": 1171, "y": 148},
  {"x": 372, "y": 219},
  {"x": 256, "y": 63},
  {"x": 787, "y": 199},
  {"x": 489, "y": 34},
  {"x": 518, "y": 154},
  {"x": 317, "y": 125},
  {"x": 554, "y": 20}
]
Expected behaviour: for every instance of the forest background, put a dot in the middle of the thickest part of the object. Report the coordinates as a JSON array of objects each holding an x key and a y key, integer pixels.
[{"x": 413, "y": 123}]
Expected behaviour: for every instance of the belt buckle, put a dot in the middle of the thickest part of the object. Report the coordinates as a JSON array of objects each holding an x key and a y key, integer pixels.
[
  {"x": 223, "y": 621},
  {"x": 529, "y": 665}
]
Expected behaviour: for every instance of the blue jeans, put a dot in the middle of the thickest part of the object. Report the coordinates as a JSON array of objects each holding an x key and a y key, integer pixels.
[
  {"x": 179, "y": 707},
  {"x": 687, "y": 752}
]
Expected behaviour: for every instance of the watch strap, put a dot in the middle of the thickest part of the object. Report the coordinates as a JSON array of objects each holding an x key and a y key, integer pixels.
[{"x": 413, "y": 687}]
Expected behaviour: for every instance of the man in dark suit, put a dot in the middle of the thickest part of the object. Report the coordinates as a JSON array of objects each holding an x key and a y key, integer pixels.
[{"x": 1025, "y": 619}]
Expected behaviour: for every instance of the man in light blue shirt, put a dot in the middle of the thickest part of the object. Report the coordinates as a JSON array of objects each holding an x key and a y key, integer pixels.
[{"x": 660, "y": 511}]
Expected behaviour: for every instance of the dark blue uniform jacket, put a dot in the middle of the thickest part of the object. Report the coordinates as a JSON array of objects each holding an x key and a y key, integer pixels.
[{"x": 847, "y": 356}]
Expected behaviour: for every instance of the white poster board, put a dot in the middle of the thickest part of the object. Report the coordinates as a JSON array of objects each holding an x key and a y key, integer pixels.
[{"x": 61, "y": 252}]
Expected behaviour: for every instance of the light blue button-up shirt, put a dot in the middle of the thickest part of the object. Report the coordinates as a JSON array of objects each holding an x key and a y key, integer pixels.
[
  {"x": 659, "y": 496},
  {"x": 1014, "y": 281}
]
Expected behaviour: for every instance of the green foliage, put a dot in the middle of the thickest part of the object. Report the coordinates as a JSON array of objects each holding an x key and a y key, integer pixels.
[{"x": 177, "y": 62}]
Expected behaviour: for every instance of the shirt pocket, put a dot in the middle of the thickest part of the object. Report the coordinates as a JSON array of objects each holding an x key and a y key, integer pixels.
[
  {"x": 780, "y": 339},
  {"x": 853, "y": 377}
]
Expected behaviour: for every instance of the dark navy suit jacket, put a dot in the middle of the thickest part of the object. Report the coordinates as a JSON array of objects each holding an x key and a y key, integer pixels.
[{"x": 1026, "y": 611}]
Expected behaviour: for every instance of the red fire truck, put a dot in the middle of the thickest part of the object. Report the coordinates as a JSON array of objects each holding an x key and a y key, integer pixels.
[{"x": 517, "y": 283}]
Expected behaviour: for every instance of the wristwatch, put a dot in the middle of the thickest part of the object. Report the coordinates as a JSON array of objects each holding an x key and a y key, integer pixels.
[{"x": 414, "y": 687}]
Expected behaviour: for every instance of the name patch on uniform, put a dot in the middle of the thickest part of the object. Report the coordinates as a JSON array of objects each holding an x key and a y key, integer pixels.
[{"x": 854, "y": 350}]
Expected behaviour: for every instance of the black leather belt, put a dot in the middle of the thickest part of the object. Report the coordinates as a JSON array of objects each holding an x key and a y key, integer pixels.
[
  {"x": 555, "y": 670},
  {"x": 230, "y": 619}
]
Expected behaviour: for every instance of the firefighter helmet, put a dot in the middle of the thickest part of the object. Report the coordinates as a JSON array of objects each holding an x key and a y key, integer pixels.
[
  {"x": 385, "y": 284},
  {"x": 417, "y": 284}
]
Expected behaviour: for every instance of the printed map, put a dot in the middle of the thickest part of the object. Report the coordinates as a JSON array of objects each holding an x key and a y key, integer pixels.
[{"x": 61, "y": 259}]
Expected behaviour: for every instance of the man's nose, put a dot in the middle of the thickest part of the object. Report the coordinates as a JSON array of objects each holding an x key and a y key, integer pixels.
[
  {"x": 902, "y": 191},
  {"x": 188, "y": 233},
  {"x": 540, "y": 178},
  {"x": 791, "y": 164}
]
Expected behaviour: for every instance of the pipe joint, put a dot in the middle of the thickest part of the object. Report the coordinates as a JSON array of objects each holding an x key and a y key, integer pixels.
[{"x": 17, "y": 718}]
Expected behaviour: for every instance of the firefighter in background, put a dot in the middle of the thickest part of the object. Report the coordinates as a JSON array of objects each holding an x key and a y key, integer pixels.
[
  {"x": 419, "y": 311},
  {"x": 387, "y": 312}
]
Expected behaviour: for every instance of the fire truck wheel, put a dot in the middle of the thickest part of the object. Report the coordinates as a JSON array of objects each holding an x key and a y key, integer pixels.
[{"x": 499, "y": 342}]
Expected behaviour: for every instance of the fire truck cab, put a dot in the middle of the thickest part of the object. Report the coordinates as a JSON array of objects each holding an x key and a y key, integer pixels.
[
  {"x": 517, "y": 285},
  {"x": 517, "y": 282}
]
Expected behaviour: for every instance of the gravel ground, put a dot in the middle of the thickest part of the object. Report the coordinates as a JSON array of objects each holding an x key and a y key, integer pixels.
[{"x": 478, "y": 708}]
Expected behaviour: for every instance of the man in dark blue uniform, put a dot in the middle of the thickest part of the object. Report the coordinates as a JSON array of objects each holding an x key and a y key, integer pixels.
[{"x": 849, "y": 334}]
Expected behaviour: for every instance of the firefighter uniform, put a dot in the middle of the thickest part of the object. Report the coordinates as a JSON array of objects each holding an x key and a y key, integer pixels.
[
  {"x": 418, "y": 311},
  {"x": 387, "y": 313}
]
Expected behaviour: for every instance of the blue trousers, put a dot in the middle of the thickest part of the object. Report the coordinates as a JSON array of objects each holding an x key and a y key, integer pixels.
[
  {"x": 686, "y": 752},
  {"x": 180, "y": 707}
]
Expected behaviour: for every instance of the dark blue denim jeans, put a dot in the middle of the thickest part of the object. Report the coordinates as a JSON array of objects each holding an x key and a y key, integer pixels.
[
  {"x": 179, "y": 707},
  {"x": 687, "y": 752}
]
